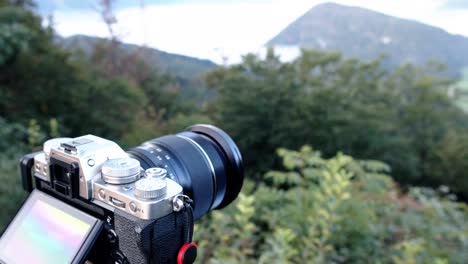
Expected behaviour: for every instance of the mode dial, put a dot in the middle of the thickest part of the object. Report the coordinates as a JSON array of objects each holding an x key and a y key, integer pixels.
[{"x": 120, "y": 171}]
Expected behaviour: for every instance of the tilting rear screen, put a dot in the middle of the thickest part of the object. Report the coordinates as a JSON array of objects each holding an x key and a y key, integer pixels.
[{"x": 45, "y": 231}]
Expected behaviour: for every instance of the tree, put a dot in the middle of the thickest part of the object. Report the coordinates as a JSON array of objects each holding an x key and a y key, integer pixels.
[
  {"x": 255, "y": 100},
  {"x": 400, "y": 117},
  {"x": 40, "y": 81}
]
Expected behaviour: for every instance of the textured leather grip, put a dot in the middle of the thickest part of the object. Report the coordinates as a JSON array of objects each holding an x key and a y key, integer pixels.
[{"x": 153, "y": 241}]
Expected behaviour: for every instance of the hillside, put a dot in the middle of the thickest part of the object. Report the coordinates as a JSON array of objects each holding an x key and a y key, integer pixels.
[
  {"x": 366, "y": 34},
  {"x": 178, "y": 65}
]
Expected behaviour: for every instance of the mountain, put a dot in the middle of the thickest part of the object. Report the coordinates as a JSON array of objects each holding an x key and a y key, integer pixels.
[
  {"x": 366, "y": 34},
  {"x": 178, "y": 65}
]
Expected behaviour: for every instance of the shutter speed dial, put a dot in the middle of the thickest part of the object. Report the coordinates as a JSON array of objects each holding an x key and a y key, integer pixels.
[{"x": 121, "y": 171}]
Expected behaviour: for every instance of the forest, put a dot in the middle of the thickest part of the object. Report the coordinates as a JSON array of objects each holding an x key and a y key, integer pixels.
[{"x": 346, "y": 161}]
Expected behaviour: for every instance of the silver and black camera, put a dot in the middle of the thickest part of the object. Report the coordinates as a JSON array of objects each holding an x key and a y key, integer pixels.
[{"x": 92, "y": 202}]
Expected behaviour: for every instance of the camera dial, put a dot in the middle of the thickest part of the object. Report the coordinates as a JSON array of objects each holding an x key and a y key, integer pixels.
[
  {"x": 150, "y": 188},
  {"x": 121, "y": 171}
]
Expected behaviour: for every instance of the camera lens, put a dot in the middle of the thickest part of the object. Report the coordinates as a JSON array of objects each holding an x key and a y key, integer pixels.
[{"x": 204, "y": 160}]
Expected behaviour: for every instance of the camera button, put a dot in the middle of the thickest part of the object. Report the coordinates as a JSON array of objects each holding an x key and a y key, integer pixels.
[
  {"x": 133, "y": 207},
  {"x": 91, "y": 162},
  {"x": 127, "y": 188},
  {"x": 117, "y": 202},
  {"x": 102, "y": 194}
]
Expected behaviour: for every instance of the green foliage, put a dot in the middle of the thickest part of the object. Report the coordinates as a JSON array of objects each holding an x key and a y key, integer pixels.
[
  {"x": 11, "y": 136},
  {"x": 34, "y": 133},
  {"x": 115, "y": 103},
  {"x": 337, "y": 210},
  {"x": 238, "y": 230},
  {"x": 12, "y": 146},
  {"x": 11, "y": 190},
  {"x": 299, "y": 207},
  {"x": 40, "y": 81},
  {"x": 450, "y": 161},
  {"x": 54, "y": 128},
  {"x": 460, "y": 91},
  {"x": 31, "y": 68},
  {"x": 182, "y": 121},
  {"x": 149, "y": 130},
  {"x": 401, "y": 117}
]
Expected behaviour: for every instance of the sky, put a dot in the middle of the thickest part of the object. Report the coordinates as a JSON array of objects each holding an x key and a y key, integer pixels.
[{"x": 217, "y": 29}]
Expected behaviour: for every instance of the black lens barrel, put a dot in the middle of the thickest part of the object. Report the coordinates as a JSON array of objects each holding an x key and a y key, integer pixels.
[
  {"x": 204, "y": 160},
  {"x": 233, "y": 167}
]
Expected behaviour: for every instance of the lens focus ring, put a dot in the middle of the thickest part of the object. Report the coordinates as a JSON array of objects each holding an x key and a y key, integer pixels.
[{"x": 204, "y": 160}]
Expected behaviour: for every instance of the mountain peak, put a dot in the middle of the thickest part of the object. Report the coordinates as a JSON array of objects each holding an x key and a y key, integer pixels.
[
  {"x": 333, "y": 5},
  {"x": 367, "y": 34},
  {"x": 335, "y": 8}
]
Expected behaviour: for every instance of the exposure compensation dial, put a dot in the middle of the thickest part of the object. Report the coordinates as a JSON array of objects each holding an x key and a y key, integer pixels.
[{"x": 153, "y": 185}]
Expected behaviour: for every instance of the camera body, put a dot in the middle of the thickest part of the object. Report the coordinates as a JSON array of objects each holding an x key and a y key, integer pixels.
[
  {"x": 93, "y": 202},
  {"x": 97, "y": 170},
  {"x": 147, "y": 217}
]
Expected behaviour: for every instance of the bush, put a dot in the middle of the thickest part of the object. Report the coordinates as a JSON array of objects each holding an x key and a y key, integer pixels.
[
  {"x": 12, "y": 194},
  {"x": 15, "y": 141},
  {"x": 402, "y": 117},
  {"x": 337, "y": 210}
]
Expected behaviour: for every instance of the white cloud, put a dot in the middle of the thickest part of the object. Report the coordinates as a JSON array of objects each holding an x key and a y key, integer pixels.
[{"x": 211, "y": 29}]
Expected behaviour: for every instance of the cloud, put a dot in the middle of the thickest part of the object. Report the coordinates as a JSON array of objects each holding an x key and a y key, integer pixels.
[
  {"x": 200, "y": 30},
  {"x": 213, "y": 29},
  {"x": 456, "y": 4}
]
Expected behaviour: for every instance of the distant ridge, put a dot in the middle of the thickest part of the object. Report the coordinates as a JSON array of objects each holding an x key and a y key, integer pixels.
[
  {"x": 175, "y": 64},
  {"x": 366, "y": 34}
]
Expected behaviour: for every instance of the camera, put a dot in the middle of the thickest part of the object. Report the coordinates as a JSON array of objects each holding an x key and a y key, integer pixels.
[{"x": 93, "y": 202}]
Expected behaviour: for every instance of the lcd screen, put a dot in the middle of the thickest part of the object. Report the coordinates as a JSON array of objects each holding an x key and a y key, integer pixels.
[{"x": 46, "y": 230}]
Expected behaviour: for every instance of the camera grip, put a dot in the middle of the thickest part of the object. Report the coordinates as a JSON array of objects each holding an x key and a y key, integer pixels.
[
  {"x": 26, "y": 164},
  {"x": 153, "y": 241}
]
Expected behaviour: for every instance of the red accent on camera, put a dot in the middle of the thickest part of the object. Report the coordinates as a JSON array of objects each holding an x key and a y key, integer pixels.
[{"x": 187, "y": 253}]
